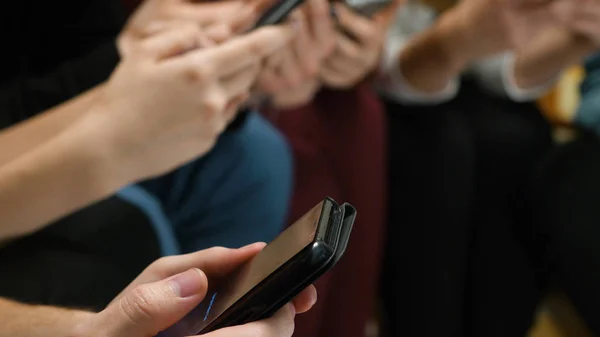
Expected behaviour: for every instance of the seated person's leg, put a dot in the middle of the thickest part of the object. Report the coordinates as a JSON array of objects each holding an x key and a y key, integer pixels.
[
  {"x": 236, "y": 195},
  {"x": 511, "y": 138},
  {"x": 83, "y": 260},
  {"x": 567, "y": 217},
  {"x": 431, "y": 192}
]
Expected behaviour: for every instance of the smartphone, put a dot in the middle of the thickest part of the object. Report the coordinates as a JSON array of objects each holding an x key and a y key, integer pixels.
[
  {"x": 277, "y": 13},
  {"x": 367, "y": 8},
  {"x": 270, "y": 280}
]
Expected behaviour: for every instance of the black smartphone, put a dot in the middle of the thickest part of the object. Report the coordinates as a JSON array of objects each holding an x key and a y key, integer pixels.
[
  {"x": 367, "y": 8},
  {"x": 277, "y": 13},
  {"x": 285, "y": 267}
]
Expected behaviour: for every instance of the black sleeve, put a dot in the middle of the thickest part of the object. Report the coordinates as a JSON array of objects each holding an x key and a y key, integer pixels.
[{"x": 26, "y": 96}]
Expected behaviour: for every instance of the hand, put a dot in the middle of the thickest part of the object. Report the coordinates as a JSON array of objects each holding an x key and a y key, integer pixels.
[
  {"x": 475, "y": 29},
  {"x": 359, "y": 43},
  {"x": 298, "y": 96},
  {"x": 581, "y": 17},
  {"x": 219, "y": 20},
  {"x": 297, "y": 66},
  {"x": 167, "y": 103},
  {"x": 150, "y": 304}
]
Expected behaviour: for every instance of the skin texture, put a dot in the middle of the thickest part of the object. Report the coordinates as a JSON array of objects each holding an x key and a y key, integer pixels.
[
  {"x": 163, "y": 294},
  {"x": 165, "y": 94}
]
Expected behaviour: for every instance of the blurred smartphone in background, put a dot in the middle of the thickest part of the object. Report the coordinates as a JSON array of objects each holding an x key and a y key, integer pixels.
[{"x": 277, "y": 13}]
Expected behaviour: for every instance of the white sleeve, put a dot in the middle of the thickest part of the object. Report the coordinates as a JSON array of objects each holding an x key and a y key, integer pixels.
[
  {"x": 512, "y": 89},
  {"x": 411, "y": 19}
]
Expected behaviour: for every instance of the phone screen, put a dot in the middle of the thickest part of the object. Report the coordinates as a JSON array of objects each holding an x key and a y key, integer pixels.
[{"x": 274, "y": 255}]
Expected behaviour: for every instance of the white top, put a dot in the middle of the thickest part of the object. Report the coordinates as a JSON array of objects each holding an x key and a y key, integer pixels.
[{"x": 494, "y": 74}]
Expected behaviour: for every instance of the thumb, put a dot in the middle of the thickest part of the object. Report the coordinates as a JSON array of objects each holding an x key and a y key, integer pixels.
[{"x": 150, "y": 308}]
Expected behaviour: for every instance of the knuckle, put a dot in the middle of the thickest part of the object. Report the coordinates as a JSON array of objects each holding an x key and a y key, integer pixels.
[
  {"x": 217, "y": 251},
  {"x": 159, "y": 266},
  {"x": 213, "y": 105},
  {"x": 139, "y": 306}
]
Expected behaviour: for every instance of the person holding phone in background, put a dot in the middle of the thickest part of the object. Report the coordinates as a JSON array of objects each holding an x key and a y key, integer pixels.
[
  {"x": 565, "y": 192},
  {"x": 132, "y": 149},
  {"x": 465, "y": 143},
  {"x": 75, "y": 59},
  {"x": 335, "y": 125},
  {"x": 73, "y": 47}
]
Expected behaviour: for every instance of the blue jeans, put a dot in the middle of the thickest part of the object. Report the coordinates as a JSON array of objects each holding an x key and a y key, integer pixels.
[{"x": 235, "y": 195}]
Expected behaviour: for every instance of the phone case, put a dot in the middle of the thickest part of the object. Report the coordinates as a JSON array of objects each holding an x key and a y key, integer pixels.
[
  {"x": 281, "y": 286},
  {"x": 304, "y": 269}
]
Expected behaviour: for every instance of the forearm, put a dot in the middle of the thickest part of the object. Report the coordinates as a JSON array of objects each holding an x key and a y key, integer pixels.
[
  {"x": 432, "y": 59},
  {"x": 56, "y": 178},
  {"x": 547, "y": 57},
  {"x": 37, "y": 321},
  {"x": 28, "y": 135}
]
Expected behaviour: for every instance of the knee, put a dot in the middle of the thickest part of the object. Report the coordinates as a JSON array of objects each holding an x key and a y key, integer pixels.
[
  {"x": 264, "y": 162},
  {"x": 266, "y": 158}
]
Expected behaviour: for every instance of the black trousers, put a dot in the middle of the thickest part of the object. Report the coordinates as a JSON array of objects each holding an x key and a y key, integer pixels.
[
  {"x": 458, "y": 260},
  {"x": 83, "y": 260},
  {"x": 567, "y": 219}
]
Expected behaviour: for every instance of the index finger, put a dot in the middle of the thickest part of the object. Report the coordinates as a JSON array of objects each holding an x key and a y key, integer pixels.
[
  {"x": 241, "y": 51},
  {"x": 321, "y": 24},
  {"x": 214, "y": 262}
]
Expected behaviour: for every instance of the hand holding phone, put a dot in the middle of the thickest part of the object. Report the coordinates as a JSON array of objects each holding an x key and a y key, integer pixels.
[{"x": 285, "y": 267}]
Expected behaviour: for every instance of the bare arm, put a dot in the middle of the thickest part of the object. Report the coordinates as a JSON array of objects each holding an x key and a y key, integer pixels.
[
  {"x": 57, "y": 177},
  {"x": 433, "y": 58},
  {"x": 23, "y": 320},
  {"x": 32, "y": 133}
]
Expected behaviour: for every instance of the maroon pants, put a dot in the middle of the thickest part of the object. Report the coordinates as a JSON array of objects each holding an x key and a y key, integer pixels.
[{"x": 339, "y": 151}]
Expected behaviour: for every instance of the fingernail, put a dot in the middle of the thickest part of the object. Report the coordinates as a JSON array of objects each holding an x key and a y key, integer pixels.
[
  {"x": 188, "y": 283},
  {"x": 292, "y": 309}
]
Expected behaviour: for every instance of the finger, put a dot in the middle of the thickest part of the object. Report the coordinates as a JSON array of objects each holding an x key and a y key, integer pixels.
[
  {"x": 334, "y": 78},
  {"x": 238, "y": 53},
  {"x": 240, "y": 83},
  {"x": 349, "y": 49},
  {"x": 173, "y": 41},
  {"x": 289, "y": 70},
  {"x": 215, "y": 262},
  {"x": 305, "y": 53},
  {"x": 269, "y": 81},
  {"x": 321, "y": 25},
  {"x": 234, "y": 105},
  {"x": 344, "y": 65},
  {"x": 305, "y": 300},
  {"x": 279, "y": 325},
  {"x": 207, "y": 13},
  {"x": 148, "y": 309},
  {"x": 356, "y": 25}
]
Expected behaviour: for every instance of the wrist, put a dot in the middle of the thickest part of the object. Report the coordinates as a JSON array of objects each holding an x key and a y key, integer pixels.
[
  {"x": 451, "y": 34},
  {"x": 107, "y": 171}
]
